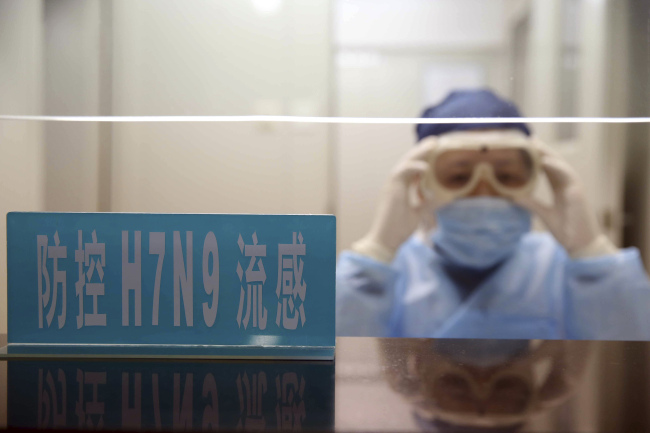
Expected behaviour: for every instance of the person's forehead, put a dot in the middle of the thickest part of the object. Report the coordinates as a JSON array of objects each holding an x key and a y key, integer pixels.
[
  {"x": 488, "y": 154},
  {"x": 477, "y": 131},
  {"x": 487, "y": 136}
]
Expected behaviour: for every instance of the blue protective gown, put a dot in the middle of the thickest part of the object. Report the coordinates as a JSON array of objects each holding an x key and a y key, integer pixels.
[{"x": 537, "y": 293}]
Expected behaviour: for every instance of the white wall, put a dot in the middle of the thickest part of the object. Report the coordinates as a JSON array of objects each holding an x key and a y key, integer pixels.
[
  {"x": 71, "y": 73},
  {"x": 21, "y": 152},
  {"x": 220, "y": 58},
  {"x": 542, "y": 70},
  {"x": 441, "y": 24}
]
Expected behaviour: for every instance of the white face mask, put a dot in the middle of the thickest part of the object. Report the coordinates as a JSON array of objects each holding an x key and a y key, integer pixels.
[{"x": 480, "y": 232}]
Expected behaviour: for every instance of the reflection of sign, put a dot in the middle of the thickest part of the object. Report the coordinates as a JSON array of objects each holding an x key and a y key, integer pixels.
[
  {"x": 171, "y": 279},
  {"x": 290, "y": 408},
  {"x": 89, "y": 410},
  {"x": 251, "y": 395},
  {"x": 164, "y": 396},
  {"x": 52, "y": 404}
]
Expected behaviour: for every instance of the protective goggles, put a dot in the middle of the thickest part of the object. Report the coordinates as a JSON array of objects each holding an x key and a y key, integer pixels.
[{"x": 508, "y": 160}]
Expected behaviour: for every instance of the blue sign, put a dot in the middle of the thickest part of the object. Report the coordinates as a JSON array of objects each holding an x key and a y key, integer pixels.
[{"x": 251, "y": 285}]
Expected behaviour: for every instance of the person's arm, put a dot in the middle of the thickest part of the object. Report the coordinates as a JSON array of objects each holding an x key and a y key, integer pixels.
[
  {"x": 607, "y": 292},
  {"x": 365, "y": 296},
  {"x": 365, "y": 280},
  {"x": 608, "y": 297},
  {"x": 569, "y": 218}
]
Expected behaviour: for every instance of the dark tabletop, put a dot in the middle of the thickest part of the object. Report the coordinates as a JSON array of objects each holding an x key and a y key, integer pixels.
[{"x": 373, "y": 385}]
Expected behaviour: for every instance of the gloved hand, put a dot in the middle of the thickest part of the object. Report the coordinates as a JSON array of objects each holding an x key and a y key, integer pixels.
[
  {"x": 569, "y": 219},
  {"x": 401, "y": 206}
]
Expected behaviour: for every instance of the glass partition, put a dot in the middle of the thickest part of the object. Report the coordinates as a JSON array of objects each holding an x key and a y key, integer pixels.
[{"x": 363, "y": 70}]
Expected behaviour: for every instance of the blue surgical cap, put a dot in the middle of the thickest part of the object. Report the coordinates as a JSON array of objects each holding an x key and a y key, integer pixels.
[{"x": 470, "y": 103}]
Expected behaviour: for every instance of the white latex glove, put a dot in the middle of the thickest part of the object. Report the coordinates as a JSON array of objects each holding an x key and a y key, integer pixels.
[
  {"x": 569, "y": 219},
  {"x": 401, "y": 206}
]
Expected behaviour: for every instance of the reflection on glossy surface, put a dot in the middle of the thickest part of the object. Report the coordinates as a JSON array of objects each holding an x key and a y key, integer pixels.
[
  {"x": 170, "y": 395},
  {"x": 380, "y": 385},
  {"x": 483, "y": 383}
]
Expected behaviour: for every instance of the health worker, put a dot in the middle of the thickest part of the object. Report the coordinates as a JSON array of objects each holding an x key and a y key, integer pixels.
[{"x": 450, "y": 252}]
